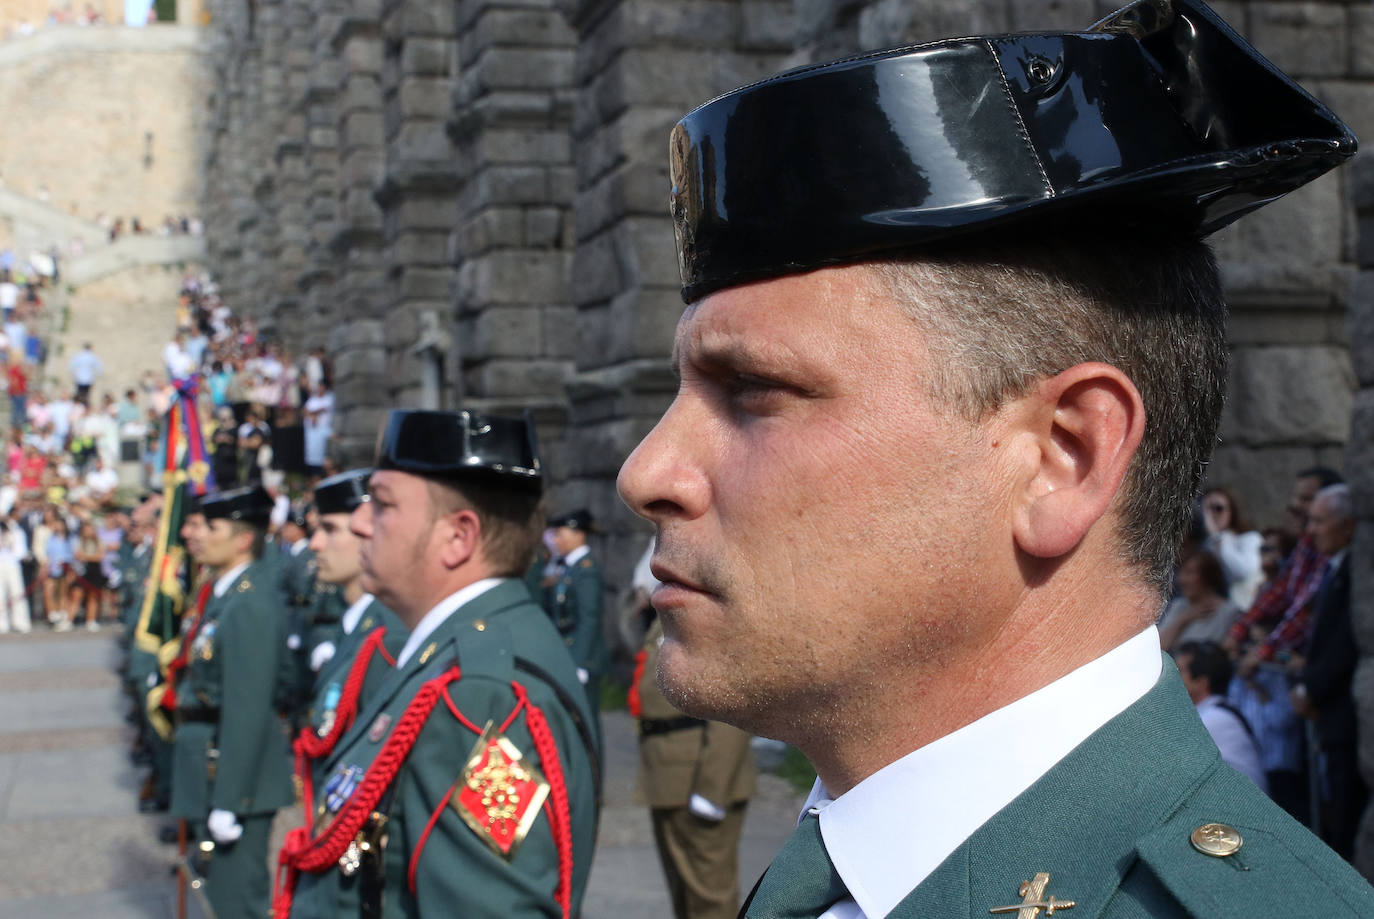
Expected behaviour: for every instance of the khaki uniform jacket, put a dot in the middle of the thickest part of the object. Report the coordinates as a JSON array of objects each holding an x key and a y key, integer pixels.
[{"x": 712, "y": 760}]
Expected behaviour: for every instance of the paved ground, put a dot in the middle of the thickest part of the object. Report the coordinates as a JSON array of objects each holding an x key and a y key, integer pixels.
[{"x": 72, "y": 843}]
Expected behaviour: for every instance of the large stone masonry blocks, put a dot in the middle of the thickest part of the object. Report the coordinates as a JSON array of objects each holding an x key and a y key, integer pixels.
[{"x": 1282, "y": 395}]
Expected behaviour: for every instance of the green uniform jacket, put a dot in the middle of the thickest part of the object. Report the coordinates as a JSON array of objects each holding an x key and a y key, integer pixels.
[
  {"x": 233, "y": 670},
  {"x": 575, "y": 604},
  {"x": 329, "y": 682},
  {"x": 497, "y": 638},
  {"x": 1111, "y": 825},
  {"x": 322, "y": 618},
  {"x": 711, "y": 759},
  {"x": 297, "y": 576},
  {"x": 132, "y": 566}
]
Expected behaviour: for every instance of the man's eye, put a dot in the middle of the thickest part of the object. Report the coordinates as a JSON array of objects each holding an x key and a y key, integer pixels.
[{"x": 753, "y": 395}]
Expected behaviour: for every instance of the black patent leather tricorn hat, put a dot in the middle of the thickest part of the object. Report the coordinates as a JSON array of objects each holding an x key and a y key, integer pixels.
[
  {"x": 250, "y": 504},
  {"x": 1159, "y": 117},
  {"x": 461, "y": 445},
  {"x": 342, "y": 493}
]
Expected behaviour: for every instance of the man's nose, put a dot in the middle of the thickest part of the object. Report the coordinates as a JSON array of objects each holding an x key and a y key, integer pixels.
[
  {"x": 360, "y": 521},
  {"x": 663, "y": 477}
]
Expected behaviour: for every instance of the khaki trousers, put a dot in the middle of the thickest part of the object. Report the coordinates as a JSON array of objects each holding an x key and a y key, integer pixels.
[{"x": 700, "y": 860}]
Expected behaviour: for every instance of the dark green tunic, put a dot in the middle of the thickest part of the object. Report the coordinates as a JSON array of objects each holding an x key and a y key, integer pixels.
[
  {"x": 329, "y": 682},
  {"x": 1111, "y": 825},
  {"x": 498, "y": 638},
  {"x": 231, "y": 745},
  {"x": 575, "y": 603}
]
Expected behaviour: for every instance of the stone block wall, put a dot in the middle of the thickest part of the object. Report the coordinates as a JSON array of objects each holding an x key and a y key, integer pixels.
[
  {"x": 131, "y": 94},
  {"x": 476, "y": 193}
]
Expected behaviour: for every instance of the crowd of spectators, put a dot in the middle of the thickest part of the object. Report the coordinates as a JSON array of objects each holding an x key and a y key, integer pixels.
[
  {"x": 265, "y": 416},
  {"x": 270, "y": 412},
  {"x": 115, "y": 227},
  {"x": 1260, "y": 628},
  {"x": 60, "y": 14}
]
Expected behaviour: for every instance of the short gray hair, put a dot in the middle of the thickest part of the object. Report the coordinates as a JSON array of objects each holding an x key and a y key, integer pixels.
[
  {"x": 1007, "y": 313},
  {"x": 1338, "y": 499}
]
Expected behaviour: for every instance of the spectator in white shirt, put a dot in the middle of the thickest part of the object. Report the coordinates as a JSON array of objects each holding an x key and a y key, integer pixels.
[
  {"x": 174, "y": 356},
  {"x": 14, "y": 602},
  {"x": 85, "y": 368},
  {"x": 1206, "y": 672},
  {"x": 9, "y": 296},
  {"x": 101, "y": 480}
]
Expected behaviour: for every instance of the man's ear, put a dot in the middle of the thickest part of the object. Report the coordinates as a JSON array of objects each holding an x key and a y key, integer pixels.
[
  {"x": 460, "y": 534},
  {"x": 1080, "y": 429}
]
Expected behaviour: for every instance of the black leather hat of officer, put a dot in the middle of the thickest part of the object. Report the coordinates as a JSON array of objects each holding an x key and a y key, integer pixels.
[
  {"x": 342, "y": 493},
  {"x": 1159, "y": 117},
  {"x": 251, "y": 505},
  {"x": 461, "y": 447},
  {"x": 580, "y": 519}
]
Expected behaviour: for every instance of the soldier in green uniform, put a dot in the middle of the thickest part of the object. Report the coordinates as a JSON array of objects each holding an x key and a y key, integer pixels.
[
  {"x": 230, "y": 735},
  {"x": 575, "y": 601},
  {"x": 335, "y": 547},
  {"x": 296, "y": 562},
  {"x": 467, "y": 785},
  {"x": 951, "y": 368}
]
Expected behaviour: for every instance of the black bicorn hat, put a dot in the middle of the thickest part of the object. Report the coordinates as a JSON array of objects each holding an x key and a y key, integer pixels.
[
  {"x": 342, "y": 493},
  {"x": 1159, "y": 117},
  {"x": 461, "y": 446},
  {"x": 580, "y": 519},
  {"x": 251, "y": 504}
]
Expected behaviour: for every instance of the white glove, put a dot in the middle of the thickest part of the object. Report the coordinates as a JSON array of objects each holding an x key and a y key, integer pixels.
[
  {"x": 704, "y": 809},
  {"x": 583, "y": 676},
  {"x": 293, "y": 642},
  {"x": 223, "y": 826},
  {"x": 323, "y": 653}
]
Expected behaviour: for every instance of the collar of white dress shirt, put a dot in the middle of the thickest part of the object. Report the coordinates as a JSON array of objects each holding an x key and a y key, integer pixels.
[
  {"x": 226, "y": 580},
  {"x": 441, "y": 611},
  {"x": 575, "y": 556},
  {"x": 354, "y": 613},
  {"x": 297, "y": 547},
  {"x": 892, "y": 830}
]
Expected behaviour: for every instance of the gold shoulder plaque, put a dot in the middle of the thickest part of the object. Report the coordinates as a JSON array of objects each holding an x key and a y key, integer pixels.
[{"x": 499, "y": 793}]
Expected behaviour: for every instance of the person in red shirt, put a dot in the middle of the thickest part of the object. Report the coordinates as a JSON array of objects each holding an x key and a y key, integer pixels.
[
  {"x": 19, "y": 390},
  {"x": 31, "y": 470}
]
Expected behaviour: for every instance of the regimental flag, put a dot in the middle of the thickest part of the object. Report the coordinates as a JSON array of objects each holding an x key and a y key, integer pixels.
[{"x": 185, "y": 470}]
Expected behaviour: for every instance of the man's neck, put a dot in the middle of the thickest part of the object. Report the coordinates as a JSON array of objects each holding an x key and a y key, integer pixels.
[
  {"x": 905, "y": 711},
  {"x": 352, "y": 590},
  {"x": 465, "y": 576}
]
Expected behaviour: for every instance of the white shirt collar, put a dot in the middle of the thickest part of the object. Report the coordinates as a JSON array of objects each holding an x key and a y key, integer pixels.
[
  {"x": 575, "y": 556},
  {"x": 354, "y": 613},
  {"x": 298, "y": 546},
  {"x": 226, "y": 580},
  {"x": 1336, "y": 557},
  {"x": 952, "y": 786},
  {"x": 436, "y": 616}
]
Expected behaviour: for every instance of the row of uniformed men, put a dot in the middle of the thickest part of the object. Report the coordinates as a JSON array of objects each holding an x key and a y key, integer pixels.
[{"x": 447, "y": 751}]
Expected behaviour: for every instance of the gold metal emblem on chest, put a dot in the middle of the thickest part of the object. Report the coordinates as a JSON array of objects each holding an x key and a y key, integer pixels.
[{"x": 1031, "y": 905}]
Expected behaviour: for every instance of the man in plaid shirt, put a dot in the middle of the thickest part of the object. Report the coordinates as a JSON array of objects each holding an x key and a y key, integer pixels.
[{"x": 1281, "y": 613}]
